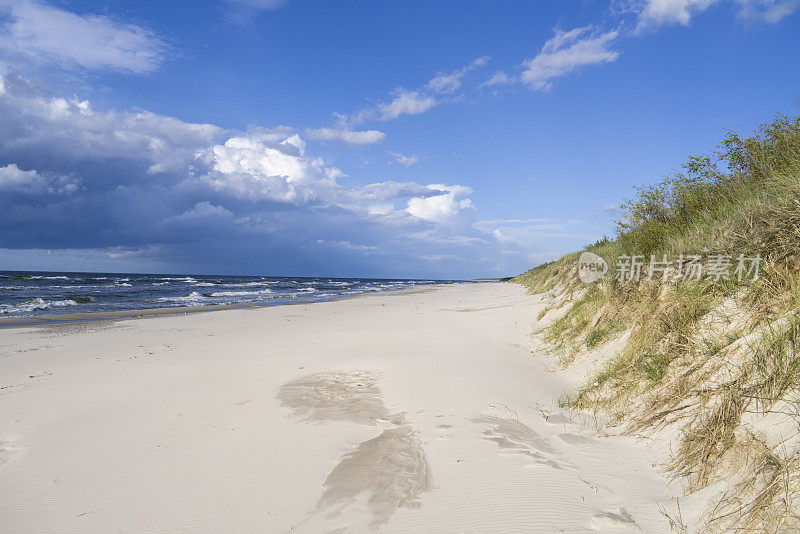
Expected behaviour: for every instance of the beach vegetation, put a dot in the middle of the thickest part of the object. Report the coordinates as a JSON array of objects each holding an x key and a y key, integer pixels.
[{"x": 713, "y": 358}]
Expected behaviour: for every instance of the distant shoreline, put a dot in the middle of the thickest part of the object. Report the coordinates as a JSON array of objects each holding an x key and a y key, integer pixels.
[
  {"x": 55, "y": 319},
  {"x": 26, "y": 294}
]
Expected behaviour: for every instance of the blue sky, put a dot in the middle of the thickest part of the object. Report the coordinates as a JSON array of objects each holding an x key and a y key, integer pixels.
[{"x": 394, "y": 139}]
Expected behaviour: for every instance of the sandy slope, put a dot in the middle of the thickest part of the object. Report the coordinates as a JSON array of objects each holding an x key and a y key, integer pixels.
[{"x": 414, "y": 412}]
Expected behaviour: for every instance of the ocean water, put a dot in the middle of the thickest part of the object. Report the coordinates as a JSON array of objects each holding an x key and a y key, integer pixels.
[{"x": 25, "y": 294}]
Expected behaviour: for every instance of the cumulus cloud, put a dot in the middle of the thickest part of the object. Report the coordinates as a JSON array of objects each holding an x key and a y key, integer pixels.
[
  {"x": 15, "y": 180},
  {"x": 261, "y": 167},
  {"x": 567, "y": 52},
  {"x": 44, "y": 33},
  {"x": 405, "y": 161},
  {"x": 74, "y": 177},
  {"x": 31, "y": 123},
  {"x": 441, "y": 208},
  {"x": 346, "y": 136}
]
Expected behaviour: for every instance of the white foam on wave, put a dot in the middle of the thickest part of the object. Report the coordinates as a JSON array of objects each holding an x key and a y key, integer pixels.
[
  {"x": 33, "y": 305},
  {"x": 48, "y": 277},
  {"x": 192, "y": 298},
  {"x": 240, "y": 293}
]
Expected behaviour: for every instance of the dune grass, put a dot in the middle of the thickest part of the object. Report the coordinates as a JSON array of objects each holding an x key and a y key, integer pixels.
[{"x": 678, "y": 364}]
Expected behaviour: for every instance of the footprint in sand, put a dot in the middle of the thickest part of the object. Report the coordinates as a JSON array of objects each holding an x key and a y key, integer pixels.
[{"x": 391, "y": 469}]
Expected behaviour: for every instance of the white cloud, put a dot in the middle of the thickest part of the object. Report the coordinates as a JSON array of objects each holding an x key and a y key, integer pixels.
[
  {"x": 500, "y": 78},
  {"x": 567, "y": 52},
  {"x": 523, "y": 232},
  {"x": 77, "y": 131},
  {"x": 445, "y": 83},
  {"x": 347, "y": 245},
  {"x": 15, "y": 180},
  {"x": 440, "y": 208},
  {"x": 658, "y": 12},
  {"x": 264, "y": 166},
  {"x": 770, "y": 11},
  {"x": 346, "y": 136},
  {"x": 272, "y": 165},
  {"x": 449, "y": 83},
  {"x": 500, "y": 236},
  {"x": 405, "y": 161},
  {"x": 202, "y": 195},
  {"x": 406, "y": 103},
  {"x": 654, "y": 13},
  {"x": 204, "y": 209},
  {"x": 436, "y": 91},
  {"x": 440, "y": 257},
  {"x": 430, "y": 236},
  {"x": 45, "y": 33}
]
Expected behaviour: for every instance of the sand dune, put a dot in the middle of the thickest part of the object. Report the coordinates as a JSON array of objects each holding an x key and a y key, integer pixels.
[{"x": 411, "y": 412}]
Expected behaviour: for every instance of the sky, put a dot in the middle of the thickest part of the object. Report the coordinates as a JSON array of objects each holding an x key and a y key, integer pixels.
[{"x": 409, "y": 139}]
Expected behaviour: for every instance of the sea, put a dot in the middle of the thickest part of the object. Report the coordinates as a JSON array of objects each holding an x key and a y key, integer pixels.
[{"x": 27, "y": 293}]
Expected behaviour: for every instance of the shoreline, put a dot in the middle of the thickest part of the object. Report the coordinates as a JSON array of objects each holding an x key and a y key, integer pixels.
[{"x": 143, "y": 313}]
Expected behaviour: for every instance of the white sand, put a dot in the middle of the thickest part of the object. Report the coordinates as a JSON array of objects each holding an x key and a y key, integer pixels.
[{"x": 414, "y": 412}]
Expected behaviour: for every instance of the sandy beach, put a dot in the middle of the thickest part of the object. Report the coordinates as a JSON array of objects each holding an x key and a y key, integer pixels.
[{"x": 421, "y": 411}]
